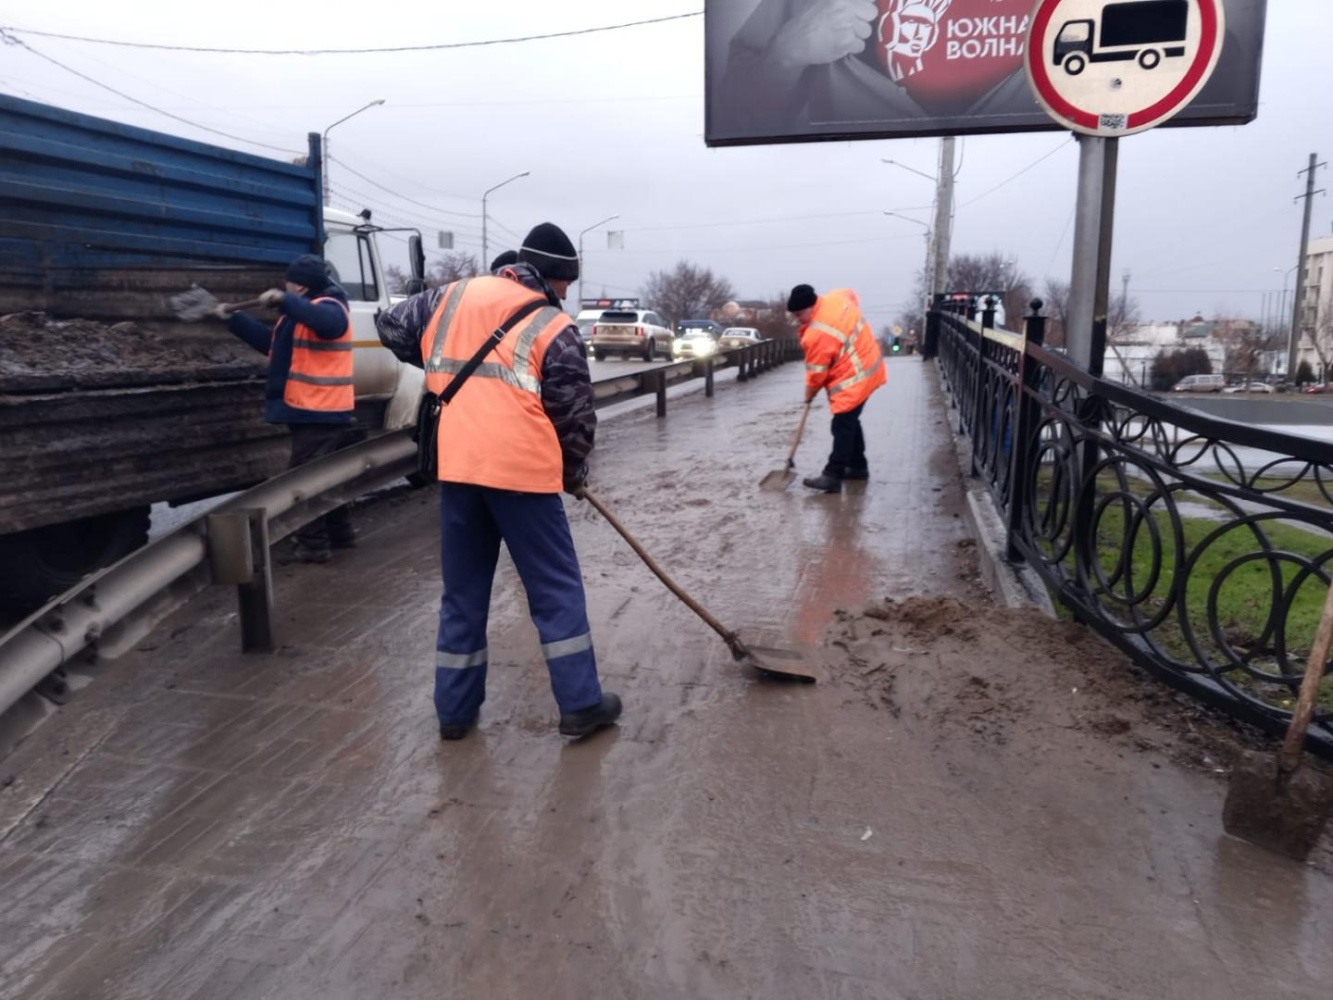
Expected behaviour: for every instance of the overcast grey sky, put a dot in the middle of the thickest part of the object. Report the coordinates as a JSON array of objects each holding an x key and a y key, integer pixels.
[{"x": 613, "y": 124}]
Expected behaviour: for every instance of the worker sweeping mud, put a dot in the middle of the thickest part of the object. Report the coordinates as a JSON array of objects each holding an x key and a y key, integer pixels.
[
  {"x": 843, "y": 358},
  {"x": 512, "y": 437}
]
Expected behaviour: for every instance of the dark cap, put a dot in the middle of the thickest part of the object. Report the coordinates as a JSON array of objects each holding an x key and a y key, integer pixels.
[
  {"x": 504, "y": 260},
  {"x": 310, "y": 271},
  {"x": 549, "y": 250},
  {"x": 802, "y": 297}
]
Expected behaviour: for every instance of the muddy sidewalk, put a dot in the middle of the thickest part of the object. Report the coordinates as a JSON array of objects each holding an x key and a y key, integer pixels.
[{"x": 974, "y": 803}]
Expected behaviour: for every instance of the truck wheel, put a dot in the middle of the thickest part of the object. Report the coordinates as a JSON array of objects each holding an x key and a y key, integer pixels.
[
  {"x": 44, "y": 562},
  {"x": 649, "y": 350},
  {"x": 1074, "y": 65},
  {"x": 599, "y": 355},
  {"x": 1149, "y": 58}
]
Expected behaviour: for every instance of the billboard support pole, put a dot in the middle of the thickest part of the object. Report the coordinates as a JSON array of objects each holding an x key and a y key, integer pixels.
[
  {"x": 943, "y": 228},
  {"x": 1089, "y": 282}
]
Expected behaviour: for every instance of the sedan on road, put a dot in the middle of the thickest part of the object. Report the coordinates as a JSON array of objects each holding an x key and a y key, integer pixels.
[
  {"x": 1262, "y": 387},
  {"x": 738, "y": 336}
]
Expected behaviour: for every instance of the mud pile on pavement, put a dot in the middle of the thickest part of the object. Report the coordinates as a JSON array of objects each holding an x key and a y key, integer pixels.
[
  {"x": 41, "y": 354},
  {"x": 1004, "y": 677}
]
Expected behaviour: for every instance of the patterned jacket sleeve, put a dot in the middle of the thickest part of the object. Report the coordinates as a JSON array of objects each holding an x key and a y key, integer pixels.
[
  {"x": 567, "y": 396},
  {"x": 402, "y": 326}
]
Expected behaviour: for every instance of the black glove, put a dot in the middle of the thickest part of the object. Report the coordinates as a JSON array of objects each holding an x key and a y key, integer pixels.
[{"x": 576, "y": 478}]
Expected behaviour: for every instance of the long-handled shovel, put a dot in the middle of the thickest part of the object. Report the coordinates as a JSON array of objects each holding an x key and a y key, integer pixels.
[
  {"x": 780, "y": 479},
  {"x": 1271, "y": 802},
  {"x": 778, "y": 662},
  {"x": 199, "y": 302}
]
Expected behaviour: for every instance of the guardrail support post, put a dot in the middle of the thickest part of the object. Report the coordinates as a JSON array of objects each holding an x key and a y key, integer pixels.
[
  {"x": 238, "y": 554},
  {"x": 742, "y": 363},
  {"x": 708, "y": 378},
  {"x": 659, "y": 378}
]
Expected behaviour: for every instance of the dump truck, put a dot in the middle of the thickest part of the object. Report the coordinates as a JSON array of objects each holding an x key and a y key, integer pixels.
[{"x": 108, "y": 402}]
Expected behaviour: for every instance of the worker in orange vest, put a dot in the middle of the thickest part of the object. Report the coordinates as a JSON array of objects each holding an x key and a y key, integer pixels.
[
  {"x": 843, "y": 358},
  {"x": 517, "y": 432},
  {"x": 309, "y": 386}
]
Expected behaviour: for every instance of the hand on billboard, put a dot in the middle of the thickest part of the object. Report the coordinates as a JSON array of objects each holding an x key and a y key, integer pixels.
[{"x": 826, "y": 31}]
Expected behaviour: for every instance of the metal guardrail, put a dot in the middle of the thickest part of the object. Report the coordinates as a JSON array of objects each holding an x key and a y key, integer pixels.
[
  {"x": 1201, "y": 547},
  {"x": 109, "y": 611}
]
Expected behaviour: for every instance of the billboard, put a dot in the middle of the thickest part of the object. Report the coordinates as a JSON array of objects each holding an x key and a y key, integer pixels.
[{"x": 811, "y": 70}]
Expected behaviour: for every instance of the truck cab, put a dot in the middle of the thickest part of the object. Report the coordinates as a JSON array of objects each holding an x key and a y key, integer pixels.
[{"x": 387, "y": 391}]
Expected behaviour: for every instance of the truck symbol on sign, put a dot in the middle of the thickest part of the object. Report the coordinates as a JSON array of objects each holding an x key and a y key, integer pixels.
[{"x": 1142, "y": 30}]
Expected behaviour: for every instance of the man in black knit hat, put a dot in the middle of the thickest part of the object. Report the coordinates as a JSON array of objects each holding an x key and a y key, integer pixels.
[
  {"x": 516, "y": 433},
  {"x": 309, "y": 385}
]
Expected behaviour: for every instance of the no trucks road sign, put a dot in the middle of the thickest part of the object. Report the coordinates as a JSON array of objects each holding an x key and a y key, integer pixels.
[{"x": 1115, "y": 67}]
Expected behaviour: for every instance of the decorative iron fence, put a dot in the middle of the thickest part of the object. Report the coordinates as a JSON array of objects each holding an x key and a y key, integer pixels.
[{"x": 1201, "y": 547}]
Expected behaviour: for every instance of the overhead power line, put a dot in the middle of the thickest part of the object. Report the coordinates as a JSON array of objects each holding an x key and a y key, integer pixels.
[
  {"x": 10, "y": 39},
  {"x": 434, "y": 47},
  {"x": 401, "y": 197},
  {"x": 1009, "y": 180}
]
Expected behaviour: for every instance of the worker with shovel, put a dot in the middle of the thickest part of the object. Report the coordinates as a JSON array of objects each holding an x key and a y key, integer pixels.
[
  {"x": 843, "y": 358},
  {"x": 309, "y": 385},
  {"x": 503, "y": 446}
]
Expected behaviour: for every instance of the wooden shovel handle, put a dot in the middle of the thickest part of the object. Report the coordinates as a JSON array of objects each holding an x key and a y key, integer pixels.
[
  {"x": 1289, "y": 757},
  {"x": 800, "y": 430},
  {"x": 247, "y": 304},
  {"x": 728, "y": 636}
]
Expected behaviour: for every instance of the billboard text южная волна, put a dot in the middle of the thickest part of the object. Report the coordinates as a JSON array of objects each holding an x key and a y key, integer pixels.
[{"x": 809, "y": 70}]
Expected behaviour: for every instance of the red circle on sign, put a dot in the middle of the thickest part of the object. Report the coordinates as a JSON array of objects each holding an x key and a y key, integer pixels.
[{"x": 1168, "y": 105}]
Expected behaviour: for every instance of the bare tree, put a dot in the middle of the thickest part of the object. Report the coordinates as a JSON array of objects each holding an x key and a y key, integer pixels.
[
  {"x": 688, "y": 291},
  {"x": 450, "y": 267},
  {"x": 992, "y": 274},
  {"x": 773, "y": 320},
  {"x": 1245, "y": 344},
  {"x": 1056, "y": 299}
]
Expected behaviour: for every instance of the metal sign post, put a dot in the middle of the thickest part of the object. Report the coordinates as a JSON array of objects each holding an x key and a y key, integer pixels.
[{"x": 1107, "y": 68}]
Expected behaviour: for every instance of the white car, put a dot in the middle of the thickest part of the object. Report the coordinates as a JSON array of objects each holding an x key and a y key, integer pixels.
[
  {"x": 695, "y": 342},
  {"x": 1249, "y": 387},
  {"x": 739, "y": 336},
  {"x": 637, "y": 332}
]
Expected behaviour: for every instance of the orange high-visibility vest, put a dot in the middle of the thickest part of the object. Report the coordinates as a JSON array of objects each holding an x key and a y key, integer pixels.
[
  {"x": 841, "y": 353},
  {"x": 495, "y": 432},
  {"x": 320, "y": 377}
]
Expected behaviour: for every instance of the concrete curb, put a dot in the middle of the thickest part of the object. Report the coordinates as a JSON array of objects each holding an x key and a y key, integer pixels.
[{"x": 1014, "y": 585}]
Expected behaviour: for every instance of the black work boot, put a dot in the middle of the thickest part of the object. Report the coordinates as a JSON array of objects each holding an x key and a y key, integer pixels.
[
  {"x": 589, "y": 720},
  {"x": 851, "y": 474},
  {"x": 457, "y": 730},
  {"x": 302, "y": 552},
  {"x": 824, "y": 483}
]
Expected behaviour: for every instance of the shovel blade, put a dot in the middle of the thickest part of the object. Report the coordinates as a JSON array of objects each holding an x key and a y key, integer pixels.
[
  {"x": 193, "y": 305},
  {"x": 777, "y": 480},
  {"x": 1285, "y": 814},
  {"x": 783, "y": 664}
]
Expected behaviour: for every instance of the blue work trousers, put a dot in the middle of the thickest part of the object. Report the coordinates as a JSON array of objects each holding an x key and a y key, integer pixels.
[
  {"x": 473, "y": 522},
  {"x": 849, "y": 445}
]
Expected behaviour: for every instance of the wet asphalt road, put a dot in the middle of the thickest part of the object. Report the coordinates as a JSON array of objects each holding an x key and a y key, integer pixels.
[{"x": 201, "y": 825}]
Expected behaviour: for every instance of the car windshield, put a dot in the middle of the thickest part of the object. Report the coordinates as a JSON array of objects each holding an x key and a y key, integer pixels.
[{"x": 696, "y": 331}]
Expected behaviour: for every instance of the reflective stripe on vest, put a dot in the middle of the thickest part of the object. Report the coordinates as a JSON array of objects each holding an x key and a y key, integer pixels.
[
  {"x": 495, "y": 432},
  {"x": 320, "y": 377}
]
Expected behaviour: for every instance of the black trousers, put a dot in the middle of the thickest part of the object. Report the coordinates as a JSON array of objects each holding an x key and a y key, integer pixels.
[
  {"x": 312, "y": 441},
  {"x": 849, "y": 445}
]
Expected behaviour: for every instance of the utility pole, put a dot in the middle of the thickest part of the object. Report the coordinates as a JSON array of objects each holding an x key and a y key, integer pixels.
[
  {"x": 1298, "y": 297},
  {"x": 943, "y": 228}
]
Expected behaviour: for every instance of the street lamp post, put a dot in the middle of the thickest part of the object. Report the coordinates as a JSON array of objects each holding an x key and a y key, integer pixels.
[
  {"x": 937, "y": 265},
  {"x": 609, "y": 218},
  {"x": 324, "y": 142},
  {"x": 485, "y": 257},
  {"x": 928, "y": 275}
]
